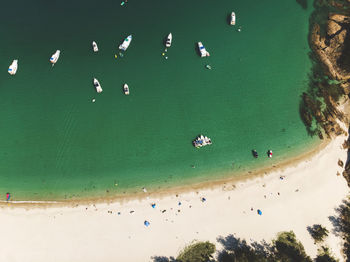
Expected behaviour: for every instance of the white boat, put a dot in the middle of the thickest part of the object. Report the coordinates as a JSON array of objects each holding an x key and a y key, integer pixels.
[
  {"x": 13, "y": 67},
  {"x": 55, "y": 56},
  {"x": 233, "y": 18},
  {"x": 126, "y": 43},
  {"x": 94, "y": 46},
  {"x": 201, "y": 141},
  {"x": 202, "y": 50},
  {"x": 269, "y": 153},
  {"x": 126, "y": 89},
  {"x": 97, "y": 86},
  {"x": 169, "y": 40}
]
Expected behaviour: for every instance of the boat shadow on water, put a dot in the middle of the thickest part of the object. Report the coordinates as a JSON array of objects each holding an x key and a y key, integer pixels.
[
  {"x": 197, "y": 49},
  {"x": 228, "y": 19}
]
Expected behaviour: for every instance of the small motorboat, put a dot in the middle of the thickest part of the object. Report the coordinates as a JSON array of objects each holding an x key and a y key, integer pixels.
[
  {"x": 169, "y": 40},
  {"x": 269, "y": 153},
  {"x": 94, "y": 46},
  {"x": 13, "y": 67},
  {"x": 255, "y": 153},
  {"x": 126, "y": 89},
  {"x": 126, "y": 43},
  {"x": 97, "y": 86},
  {"x": 202, "y": 50},
  {"x": 208, "y": 67},
  {"x": 233, "y": 18},
  {"x": 55, "y": 56}
]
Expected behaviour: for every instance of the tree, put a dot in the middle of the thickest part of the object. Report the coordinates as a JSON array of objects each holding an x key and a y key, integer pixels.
[
  {"x": 238, "y": 250},
  {"x": 324, "y": 256},
  {"x": 289, "y": 249},
  {"x": 198, "y": 252},
  {"x": 318, "y": 232}
]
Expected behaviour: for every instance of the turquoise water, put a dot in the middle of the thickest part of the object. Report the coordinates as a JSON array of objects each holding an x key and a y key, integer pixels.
[{"x": 56, "y": 143}]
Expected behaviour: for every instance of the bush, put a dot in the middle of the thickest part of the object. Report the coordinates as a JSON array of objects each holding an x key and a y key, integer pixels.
[
  {"x": 289, "y": 249},
  {"x": 324, "y": 256},
  {"x": 198, "y": 252},
  {"x": 318, "y": 232}
]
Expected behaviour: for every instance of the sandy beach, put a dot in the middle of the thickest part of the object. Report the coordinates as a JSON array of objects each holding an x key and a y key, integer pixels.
[{"x": 308, "y": 194}]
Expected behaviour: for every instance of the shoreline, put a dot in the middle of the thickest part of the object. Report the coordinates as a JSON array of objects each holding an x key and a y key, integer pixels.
[
  {"x": 228, "y": 181},
  {"x": 118, "y": 226}
]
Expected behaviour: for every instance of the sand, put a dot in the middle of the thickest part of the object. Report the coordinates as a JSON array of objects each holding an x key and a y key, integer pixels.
[{"x": 308, "y": 194}]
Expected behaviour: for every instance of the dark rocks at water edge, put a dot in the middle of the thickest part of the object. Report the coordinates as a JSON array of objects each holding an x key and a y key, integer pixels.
[{"x": 329, "y": 84}]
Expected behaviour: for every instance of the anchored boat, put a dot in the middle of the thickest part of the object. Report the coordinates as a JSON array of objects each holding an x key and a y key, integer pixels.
[
  {"x": 202, "y": 50},
  {"x": 126, "y": 89},
  {"x": 13, "y": 67},
  {"x": 94, "y": 46},
  {"x": 55, "y": 57},
  {"x": 169, "y": 40},
  {"x": 269, "y": 153},
  {"x": 126, "y": 43},
  {"x": 97, "y": 86},
  {"x": 201, "y": 141},
  {"x": 233, "y": 18}
]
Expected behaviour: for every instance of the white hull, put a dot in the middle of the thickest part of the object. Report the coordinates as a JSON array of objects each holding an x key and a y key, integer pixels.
[
  {"x": 97, "y": 86},
  {"x": 13, "y": 67},
  {"x": 55, "y": 56},
  {"x": 126, "y": 89},
  {"x": 202, "y": 50},
  {"x": 201, "y": 141},
  {"x": 126, "y": 43},
  {"x": 233, "y": 18},
  {"x": 169, "y": 40},
  {"x": 94, "y": 46}
]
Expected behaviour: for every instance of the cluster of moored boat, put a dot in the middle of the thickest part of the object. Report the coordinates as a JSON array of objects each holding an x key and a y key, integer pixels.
[
  {"x": 12, "y": 70},
  {"x": 124, "y": 46},
  {"x": 201, "y": 141},
  {"x": 256, "y": 155}
]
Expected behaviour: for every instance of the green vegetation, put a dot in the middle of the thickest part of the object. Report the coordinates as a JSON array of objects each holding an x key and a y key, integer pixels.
[
  {"x": 343, "y": 226},
  {"x": 239, "y": 250},
  {"x": 325, "y": 256},
  {"x": 318, "y": 232},
  {"x": 285, "y": 248},
  {"x": 198, "y": 252},
  {"x": 288, "y": 248}
]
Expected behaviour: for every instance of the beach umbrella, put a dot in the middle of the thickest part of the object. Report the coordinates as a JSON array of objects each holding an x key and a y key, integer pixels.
[
  {"x": 259, "y": 212},
  {"x": 146, "y": 223}
]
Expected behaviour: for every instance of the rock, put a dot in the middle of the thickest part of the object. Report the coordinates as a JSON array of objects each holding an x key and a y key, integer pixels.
[
  {"x": 339, "y": 18},
  {"x": 346, "y": 144},
  {"x": 346, "y": 175},
  {"x": 340, "y": 163},
  {"x": 330, "y": 47},
  {"x": 333, "y": 27}
]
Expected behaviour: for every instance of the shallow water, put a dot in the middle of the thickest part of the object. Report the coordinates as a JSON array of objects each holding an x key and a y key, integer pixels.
[{"x": 56, "y": 143}]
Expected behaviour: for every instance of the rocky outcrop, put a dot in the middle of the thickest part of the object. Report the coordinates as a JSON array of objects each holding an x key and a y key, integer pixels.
[
  {"x": 330, "y": 47},
  {"x": 331, "y": 44}
]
